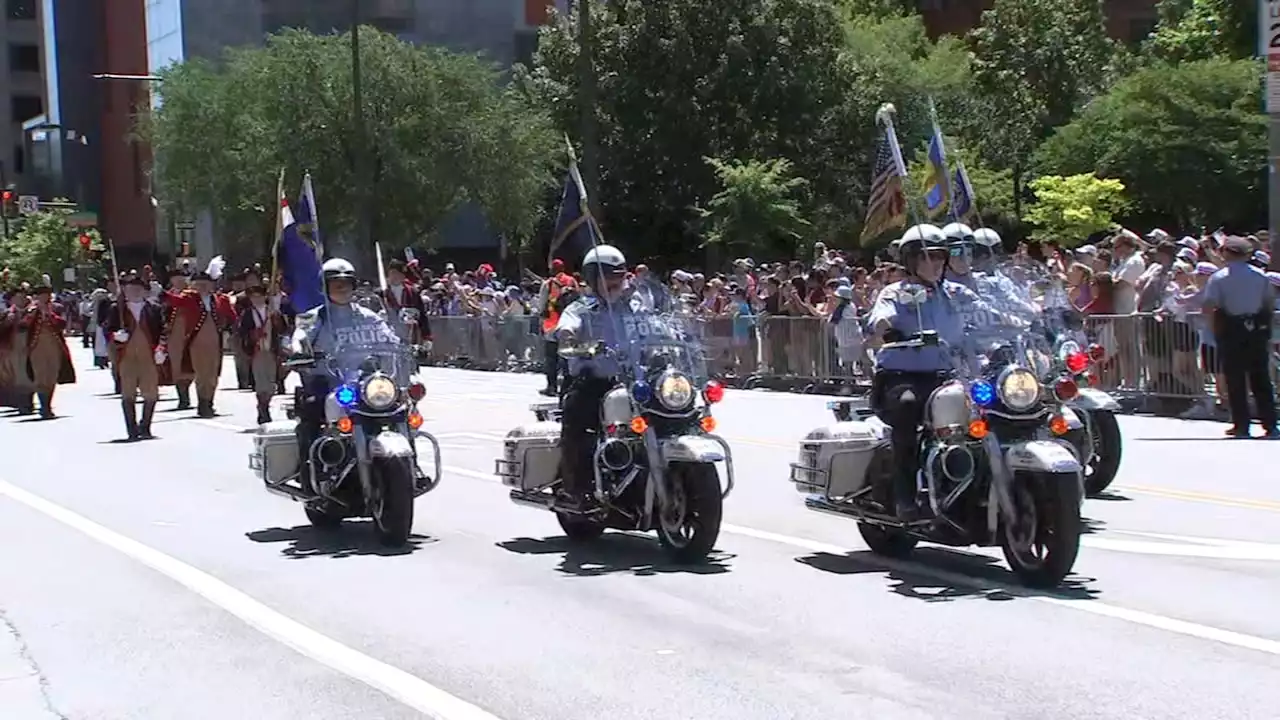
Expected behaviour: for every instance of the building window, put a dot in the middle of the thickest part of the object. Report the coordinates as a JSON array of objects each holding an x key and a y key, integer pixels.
[
  {"x": 21, "y": 9},
  {"x": 526, "y": 43},
  {"x": 26, "y": 107},
  {"x": 24, "y": 58},
  {"x": 19, "y": 159}
]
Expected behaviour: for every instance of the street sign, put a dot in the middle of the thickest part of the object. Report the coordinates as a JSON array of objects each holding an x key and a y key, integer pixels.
[
  {"x": 28, "y": 204},
  {"x": 186, "y": 225},
  {"x": 1269, "y": 30}
]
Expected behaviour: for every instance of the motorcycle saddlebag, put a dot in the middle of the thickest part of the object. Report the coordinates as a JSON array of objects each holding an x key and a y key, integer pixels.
[
  {"x": 834, "y": 459},
  {"x": 275, "y": 451},
  {"x": 530, "y": 456}
]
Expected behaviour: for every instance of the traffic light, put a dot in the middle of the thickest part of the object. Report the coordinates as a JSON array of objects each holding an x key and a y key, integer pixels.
[
  {"x": 85, "y": 241},
  {"x": 10, "y": 204}
]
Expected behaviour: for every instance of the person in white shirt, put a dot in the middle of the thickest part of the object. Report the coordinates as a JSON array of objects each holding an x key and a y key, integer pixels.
[{"x": 1126, "y": 270}]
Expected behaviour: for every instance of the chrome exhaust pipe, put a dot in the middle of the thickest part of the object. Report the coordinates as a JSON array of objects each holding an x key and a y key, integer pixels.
[
  {"x": 616, "y": 455},
  {"x": 329, "y": 452}
]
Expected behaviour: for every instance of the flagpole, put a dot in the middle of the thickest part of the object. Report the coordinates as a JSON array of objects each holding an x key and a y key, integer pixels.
[
  {"x": 275, "y": 246},
  {"x": 884, "y": 116}
]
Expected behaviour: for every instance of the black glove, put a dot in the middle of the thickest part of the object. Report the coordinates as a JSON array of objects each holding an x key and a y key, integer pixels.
[{"x": 893, "y": 335}]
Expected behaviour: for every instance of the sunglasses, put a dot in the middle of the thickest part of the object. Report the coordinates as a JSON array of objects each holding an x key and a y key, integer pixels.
[{"x": 936, "y": 255}]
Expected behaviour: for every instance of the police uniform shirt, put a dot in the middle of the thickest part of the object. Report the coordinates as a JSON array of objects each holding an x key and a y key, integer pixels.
[
  {"x": 1239, "y": 289},
  {"x": 589, "y": 320},
  {"x": 940, "y": 312},
  {"x": 329, "y": 329}
]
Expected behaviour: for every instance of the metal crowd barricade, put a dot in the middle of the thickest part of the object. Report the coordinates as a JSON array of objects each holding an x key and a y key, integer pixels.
[
  {"x": 1157, "y": 361},
  {"x": 785, "y": 353}
]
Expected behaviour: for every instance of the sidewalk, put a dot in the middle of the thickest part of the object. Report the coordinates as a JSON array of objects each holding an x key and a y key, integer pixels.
[{"x": 22, "y": 692}]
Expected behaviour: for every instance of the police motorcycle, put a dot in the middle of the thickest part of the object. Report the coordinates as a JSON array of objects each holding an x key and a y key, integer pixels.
[
  {"x": 363, "y": 462},
  {"x": 656, "y": 452},
  {"x": 995, "y": 468},
  {"x": 1061, "y": 335}
]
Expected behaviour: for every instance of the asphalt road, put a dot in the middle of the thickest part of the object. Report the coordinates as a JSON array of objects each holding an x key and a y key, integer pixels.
[{"x": 157, "y": 580}]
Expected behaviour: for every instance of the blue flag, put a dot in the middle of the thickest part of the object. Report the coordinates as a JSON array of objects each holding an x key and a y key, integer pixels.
[
  {"x": 299, "y": 253},
  {"x": 572, "y": 236}
]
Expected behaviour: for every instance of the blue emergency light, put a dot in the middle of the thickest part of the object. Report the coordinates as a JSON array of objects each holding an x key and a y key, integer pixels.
[
  {"x": 982, "y": 393},
  {"x": 346, "y": 396},
  {"x": 642, "y": 392}
]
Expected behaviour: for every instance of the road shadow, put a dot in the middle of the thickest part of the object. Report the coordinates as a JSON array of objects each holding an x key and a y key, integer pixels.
[
  {"x": 351, "y": 539},
  {"x": 1186, "y": 439},
  {"x": 1110, "y": 496},
  {"x": 614, "y": 553},
  {"x": 924, "y": 577},
  {"x": 1089, "y": 526},
  {"x": 37, "y": 418}
]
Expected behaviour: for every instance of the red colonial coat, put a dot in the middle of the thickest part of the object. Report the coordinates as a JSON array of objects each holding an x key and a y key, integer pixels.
[
  {"x": 412, "y": 300},
  {"x": 190, "y": 305},
  {"x": 35, "y": 323}
]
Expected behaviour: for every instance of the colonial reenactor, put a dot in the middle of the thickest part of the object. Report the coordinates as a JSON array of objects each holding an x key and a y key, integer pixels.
[
  {"x": 240, "y": 305},
  {"x": 137, "y": 329},
  {"x": 261, "y": 331},
  {"x": 405, "y": 312},
  {"x": 177, "y": 326},
  {"x": 208, "y": 315},
  {"x": 1241, "y": 301},
  {"x": 48, "y": 359},
  {"x": 14, "y": 378}
]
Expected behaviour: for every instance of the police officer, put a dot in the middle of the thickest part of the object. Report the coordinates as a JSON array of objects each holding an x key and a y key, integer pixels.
[
  {"x": 1241, "y": 302},
  {"x": 597, "y": 317},
  {"x": 327, "y": 329},
  {"x": 905, "y": 377}
]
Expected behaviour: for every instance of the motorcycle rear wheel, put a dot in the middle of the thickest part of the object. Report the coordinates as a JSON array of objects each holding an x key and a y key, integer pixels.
[
  {"x": 699, "y": 509},
  {"x": 1042, "y": 548},
  {"x": 579, "y": 529},
  {"x": 322, "y": 519},
  {"x": 888, "y": 542},
  {"x": 393, "y": 516}
]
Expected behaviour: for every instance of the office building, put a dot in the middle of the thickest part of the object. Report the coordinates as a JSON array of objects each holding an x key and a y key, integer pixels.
[
  {"x": 1128, "y": 21},
  {"x": 23, "y": 71}
]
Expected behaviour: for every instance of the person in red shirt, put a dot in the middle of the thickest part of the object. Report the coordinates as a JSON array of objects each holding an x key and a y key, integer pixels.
[{"x": 209, "y": 314}]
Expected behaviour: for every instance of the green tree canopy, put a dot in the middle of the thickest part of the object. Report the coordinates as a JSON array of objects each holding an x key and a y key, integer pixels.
[
  {"x": 440, "y": 128},
  {"x": 1189, "y": 141},
  {"x": 1035, "y": 63},
  {"x": 1069, "y": 209},
  {"x": 45, "y": 244},
  {"x": 756, "y": 210},
  {"x": 1205, "y": 29}
]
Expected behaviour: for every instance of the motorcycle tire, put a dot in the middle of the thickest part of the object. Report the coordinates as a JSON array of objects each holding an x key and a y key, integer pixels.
[
  {"x": 1055, "y": 498},
  {"x": 887, "y": 542},
  {"x": 704, "y": 509},
  {"x": 1106, "y": 460},
  {"x": 322, "y": 519},
  {"x": 579, "y": 529},
  {"x": 393, "y": 521}
]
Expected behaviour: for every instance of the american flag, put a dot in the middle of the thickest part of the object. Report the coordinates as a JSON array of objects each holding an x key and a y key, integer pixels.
[{"x": 887, "y": 206}]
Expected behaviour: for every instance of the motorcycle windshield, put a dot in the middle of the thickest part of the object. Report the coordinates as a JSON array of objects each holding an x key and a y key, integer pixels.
[
  {"x": 349, "y": 362},
  {"x": 646, "y": 331},
  {"x": 1032, "y": 302}
]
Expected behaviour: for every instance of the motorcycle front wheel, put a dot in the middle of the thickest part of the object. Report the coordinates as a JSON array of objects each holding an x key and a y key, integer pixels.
[
  {"x": 689, "y": 528},
  {"x": 1043, "y": 540},
  {"x": 393, "y": 512},
  {"x": 1105, "y": 463}
]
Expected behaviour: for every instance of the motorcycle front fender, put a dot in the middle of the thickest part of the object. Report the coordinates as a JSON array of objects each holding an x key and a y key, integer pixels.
[
  {"x": 1090, "y": 399},
  {"x": 700, "y": 449},
  {"x": 388, "y": 444},
  {"x": 1048, "y": 456}
]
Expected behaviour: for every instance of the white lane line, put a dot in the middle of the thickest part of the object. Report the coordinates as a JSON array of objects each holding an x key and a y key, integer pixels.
[
  {"x": 1137, "y": 617},
  {"x": 408, "y": 689}
]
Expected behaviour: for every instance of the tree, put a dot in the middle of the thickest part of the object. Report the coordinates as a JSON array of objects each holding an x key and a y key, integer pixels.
[
  {"x": 756, "y": 210},
  {"x": 1189, "y": 142},
  {"x": 682, "y": 80},
  {"x": 1205, "y": 29},
  {"x": 45, "y": 244},
  {"x": 1069, "y": 209},
  {"x": 1035, "y": 63},
  {"x": 440, "y": 130}
]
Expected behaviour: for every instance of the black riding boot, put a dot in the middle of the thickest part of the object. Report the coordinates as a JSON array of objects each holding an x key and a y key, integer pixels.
[
  {"x": 46, "y": 405},
  {"x": 264, "y": 409},
  {"x": 204, "y": 408},
  {"x": 130, "y": 418},
  {"x": 148, "y": 412},
  {"x": 184, "y": 394}
]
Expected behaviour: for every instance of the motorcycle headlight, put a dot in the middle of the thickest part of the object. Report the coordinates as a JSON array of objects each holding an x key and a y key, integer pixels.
[
  {"x": 675, "y": 391},
  {"x": 379, "y": 392},
  {"x": 1019, "y": 389}
]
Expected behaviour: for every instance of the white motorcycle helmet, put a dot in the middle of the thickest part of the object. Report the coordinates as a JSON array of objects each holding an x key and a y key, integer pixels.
[
  {"x": 959, "y": 232},
  {"x": 988, "y": 238},
  {"x": 338, "y": 269},
  {"x": 603, "y": 261}
]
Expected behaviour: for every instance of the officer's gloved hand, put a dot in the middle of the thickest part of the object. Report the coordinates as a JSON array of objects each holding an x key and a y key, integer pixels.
[{"x": 893, "y": 335}]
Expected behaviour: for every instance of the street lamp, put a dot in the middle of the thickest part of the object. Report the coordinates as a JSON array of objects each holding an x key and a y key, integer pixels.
[{"x": 363, "y": 182}]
